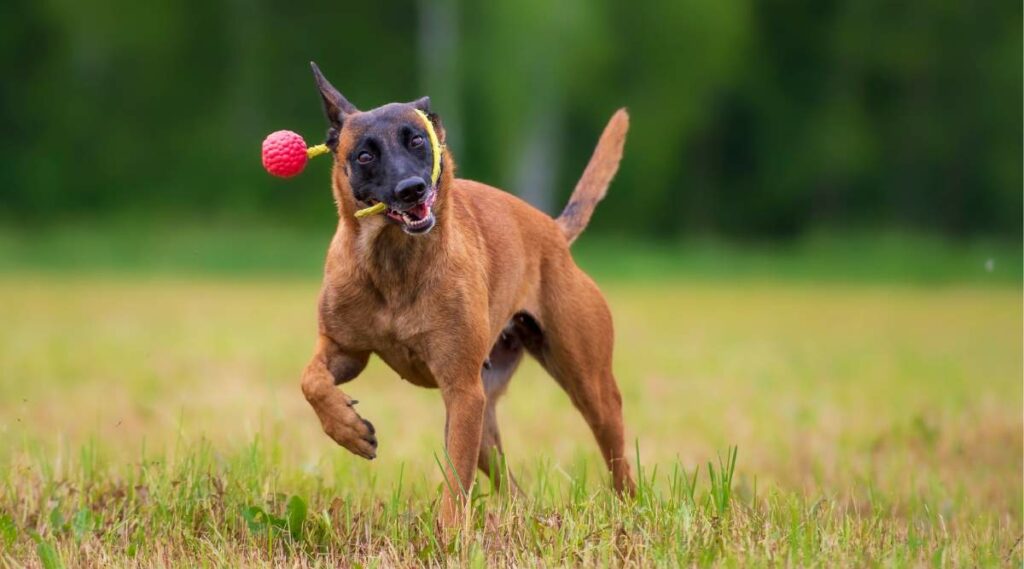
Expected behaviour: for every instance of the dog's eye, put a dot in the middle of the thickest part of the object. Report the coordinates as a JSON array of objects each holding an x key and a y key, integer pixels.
[
  {"x": 364, "y": 157},
  {"x": 416, "y": 142}
]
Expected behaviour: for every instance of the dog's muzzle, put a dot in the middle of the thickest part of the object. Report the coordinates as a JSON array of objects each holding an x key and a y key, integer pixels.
[{"x": 418, "y": 218}]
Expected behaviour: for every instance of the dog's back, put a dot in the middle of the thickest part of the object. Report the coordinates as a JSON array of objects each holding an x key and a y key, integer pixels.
[{"x": 520, "y": 239}]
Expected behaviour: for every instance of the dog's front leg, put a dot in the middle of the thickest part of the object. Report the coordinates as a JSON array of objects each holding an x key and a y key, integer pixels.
[
  {"x": 464, "y": 403},
  {"x": 330, "y": 367}
]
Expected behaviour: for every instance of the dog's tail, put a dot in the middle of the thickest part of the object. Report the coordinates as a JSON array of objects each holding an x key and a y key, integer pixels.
[{"x": 593, "y": 185}]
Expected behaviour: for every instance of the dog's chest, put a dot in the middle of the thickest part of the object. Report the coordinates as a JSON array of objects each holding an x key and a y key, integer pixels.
[
  {"x": 408, "y": 364},
  {"x": 398, "y": 334},
  {"x": 403, "y": 343}
]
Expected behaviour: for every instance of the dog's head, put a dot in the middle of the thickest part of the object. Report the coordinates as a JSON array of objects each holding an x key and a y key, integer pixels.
[{"x": 386, "y": 155}]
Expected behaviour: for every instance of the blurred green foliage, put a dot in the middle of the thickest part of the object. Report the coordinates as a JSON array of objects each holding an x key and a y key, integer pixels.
[{"x": 750, "y": 119}]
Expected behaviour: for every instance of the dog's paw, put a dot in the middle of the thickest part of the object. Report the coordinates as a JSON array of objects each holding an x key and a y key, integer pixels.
[{"x": 351, "y": 431}]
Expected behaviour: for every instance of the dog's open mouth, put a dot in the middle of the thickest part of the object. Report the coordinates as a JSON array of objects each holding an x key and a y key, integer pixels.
[{"x": 416, "y": 219}]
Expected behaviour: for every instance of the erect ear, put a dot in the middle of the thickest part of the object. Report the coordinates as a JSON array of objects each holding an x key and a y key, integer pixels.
[
  {"x": 423, "y": 104},
  {"x": 336, "y": 106}
]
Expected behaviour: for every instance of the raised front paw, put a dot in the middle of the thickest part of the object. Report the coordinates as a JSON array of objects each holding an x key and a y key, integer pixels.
[{"x": 351, "y": 431}]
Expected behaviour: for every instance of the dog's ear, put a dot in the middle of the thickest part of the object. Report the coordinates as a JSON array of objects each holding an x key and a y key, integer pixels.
[
  {"x": 423, "y": 104},
  {"x": 336, "y": 106}
]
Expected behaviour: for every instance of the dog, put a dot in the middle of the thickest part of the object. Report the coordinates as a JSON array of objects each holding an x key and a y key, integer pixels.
[{"x": 451, "y": 285}]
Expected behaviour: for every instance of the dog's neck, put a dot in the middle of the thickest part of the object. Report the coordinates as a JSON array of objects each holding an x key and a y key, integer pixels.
[{"x": 393, "y": 260}]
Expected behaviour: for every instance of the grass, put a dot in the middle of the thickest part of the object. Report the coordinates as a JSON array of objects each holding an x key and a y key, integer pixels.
[
  {"x": 264, "y": 249},
  {"x": 151, "y": 416}
]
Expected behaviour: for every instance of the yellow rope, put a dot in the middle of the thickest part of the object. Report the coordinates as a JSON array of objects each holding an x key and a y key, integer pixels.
[
  {"x": 317, "y": 150},
  {"x": 376, "y": 208},
  {"x": 435, "y": 174}
]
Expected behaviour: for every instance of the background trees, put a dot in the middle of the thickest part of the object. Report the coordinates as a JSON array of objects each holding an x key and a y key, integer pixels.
[{"x": 750, "y": 119}]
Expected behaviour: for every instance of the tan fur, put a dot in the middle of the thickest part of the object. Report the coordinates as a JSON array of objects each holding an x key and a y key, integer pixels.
[
  {"x": 432, "y": 306},
  {"x": 593, "y": 185}
]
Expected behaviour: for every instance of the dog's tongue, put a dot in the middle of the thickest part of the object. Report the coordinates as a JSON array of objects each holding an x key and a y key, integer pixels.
[{"x": 419, "y": 211}]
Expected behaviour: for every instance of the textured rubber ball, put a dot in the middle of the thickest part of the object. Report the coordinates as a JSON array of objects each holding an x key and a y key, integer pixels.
[{"x": 284, "y": 153}]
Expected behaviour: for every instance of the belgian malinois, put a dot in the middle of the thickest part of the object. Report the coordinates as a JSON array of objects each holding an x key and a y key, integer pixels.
[{"x": 451, "y": 285}]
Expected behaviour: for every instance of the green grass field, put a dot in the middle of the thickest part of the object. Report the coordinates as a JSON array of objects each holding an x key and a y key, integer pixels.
[{"x": 151, "y": 415}]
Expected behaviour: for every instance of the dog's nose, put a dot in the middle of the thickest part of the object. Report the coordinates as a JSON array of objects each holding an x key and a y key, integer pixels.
[{"x": 411, "y": 190}]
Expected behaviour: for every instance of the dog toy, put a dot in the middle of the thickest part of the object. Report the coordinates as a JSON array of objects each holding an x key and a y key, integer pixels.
[
  {"x": 374, "y": 209},
  {"x": 285, "y": 155}
]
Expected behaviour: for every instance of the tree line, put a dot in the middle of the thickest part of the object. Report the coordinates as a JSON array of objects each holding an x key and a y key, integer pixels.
[{"x": 749, "y": 119}]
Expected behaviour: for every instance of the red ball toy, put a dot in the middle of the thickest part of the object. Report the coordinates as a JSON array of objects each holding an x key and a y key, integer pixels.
[{"x": 284, "y": 153}]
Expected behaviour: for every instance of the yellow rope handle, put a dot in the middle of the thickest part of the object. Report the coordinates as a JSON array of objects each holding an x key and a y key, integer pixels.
[
  {"x": 435, "y": 145},
  {"x": 374, "y": 209},
  {"x": 317, "y": 150}
]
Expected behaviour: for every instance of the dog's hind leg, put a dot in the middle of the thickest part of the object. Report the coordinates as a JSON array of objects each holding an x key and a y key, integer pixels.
[
  {"x": 498, "y": 369},
  {"x": 576, "y": 349}
]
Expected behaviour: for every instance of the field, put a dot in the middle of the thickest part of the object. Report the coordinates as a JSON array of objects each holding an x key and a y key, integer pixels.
[{"x": 151, "y": 416}]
